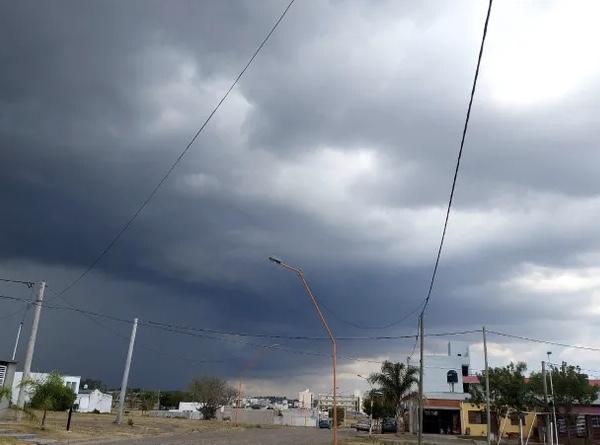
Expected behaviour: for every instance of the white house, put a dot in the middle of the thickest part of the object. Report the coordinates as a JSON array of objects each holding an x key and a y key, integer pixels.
[
  {"x": 71, "y": 382},
  {"x": 89, "y": 401}
]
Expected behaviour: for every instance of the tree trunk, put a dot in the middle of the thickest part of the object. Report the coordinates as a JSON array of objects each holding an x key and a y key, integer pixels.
[{"x": 44, "y": 419}]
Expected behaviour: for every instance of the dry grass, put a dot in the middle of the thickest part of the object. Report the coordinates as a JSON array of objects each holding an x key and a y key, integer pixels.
[
  {"x": 96, "y": 426},
  {"x": 10, "y": 441}
]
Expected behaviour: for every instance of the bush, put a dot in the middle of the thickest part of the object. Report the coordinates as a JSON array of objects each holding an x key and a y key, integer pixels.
[{"x": 130, "y": 421}]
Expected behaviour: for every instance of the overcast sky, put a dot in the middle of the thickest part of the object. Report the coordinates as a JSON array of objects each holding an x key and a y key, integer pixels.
[{"x": 334, "y": 152}]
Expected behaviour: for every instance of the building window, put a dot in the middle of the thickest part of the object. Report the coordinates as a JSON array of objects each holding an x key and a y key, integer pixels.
[
  {"x": 477, "y": 417},
  {"x": 595, "y": 421},
  {"x": 465, "y": 370},
  {"x": 514, "y": 419},
  {"x": 2, "y": 375}
]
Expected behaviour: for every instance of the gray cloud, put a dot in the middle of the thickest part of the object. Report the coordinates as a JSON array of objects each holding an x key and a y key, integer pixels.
[{"x": 335, "y": 152}]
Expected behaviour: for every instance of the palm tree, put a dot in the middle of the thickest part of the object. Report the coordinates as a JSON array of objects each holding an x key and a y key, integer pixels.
[{"x": 397, "y": 382}]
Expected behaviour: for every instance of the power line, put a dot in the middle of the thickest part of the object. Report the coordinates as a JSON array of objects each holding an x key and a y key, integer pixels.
[
  {"x": 259, "y": 345},
  {"x": 302, "y": 337},
  {"x": 547, "y": 342},
  {"x": 92, "y": 314},
  {"x": 365, "y": 327},
  {"x": 29, "y": 284},
  {"x": 12, "y": 314},
  {"x": 414, "y": 348},
  {"x": 458, "y": 159},
  {"x": 153, "y": 192}
]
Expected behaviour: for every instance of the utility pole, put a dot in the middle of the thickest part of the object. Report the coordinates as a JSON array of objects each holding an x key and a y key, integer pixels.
[
  {"x": 553, "y": 399},
  {"x": 487, "y": 390},
  {"x": 420, "y": 432},
  {"x": 548, "y": 422},
  {"x": 119, "y": 418},
  {"x": 14, "y": 354},
  {"x": 30, "y": 348}
]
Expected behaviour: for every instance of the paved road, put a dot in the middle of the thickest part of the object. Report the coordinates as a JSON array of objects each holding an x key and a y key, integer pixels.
[{"x": 254, "y": 436}]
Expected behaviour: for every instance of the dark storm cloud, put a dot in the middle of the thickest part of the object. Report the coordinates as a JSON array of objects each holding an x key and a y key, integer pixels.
[{"x": 335, "y": 152}]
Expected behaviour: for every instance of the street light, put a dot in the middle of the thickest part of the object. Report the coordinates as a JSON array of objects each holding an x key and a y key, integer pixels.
[{"x": 300, "y": 275}]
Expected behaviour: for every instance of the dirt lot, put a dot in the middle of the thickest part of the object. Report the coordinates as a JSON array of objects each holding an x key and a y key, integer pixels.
[
  {"x": 250, "y": 436},
  {"x": 96, "y": 426}
]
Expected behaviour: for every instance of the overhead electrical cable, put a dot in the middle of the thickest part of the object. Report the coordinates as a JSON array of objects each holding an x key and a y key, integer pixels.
[
  {"x": 458, "y": 159},
  {"x": 164, "y": 177}
]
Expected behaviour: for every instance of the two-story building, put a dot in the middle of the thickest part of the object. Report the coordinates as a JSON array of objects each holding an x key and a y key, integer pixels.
[{"x": 444, "y": 388}]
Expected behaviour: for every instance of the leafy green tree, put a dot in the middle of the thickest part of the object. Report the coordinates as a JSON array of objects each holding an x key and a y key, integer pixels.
[
  {"x": 93, "y": 384},
  {"x": 51, "y": 394},
  {"x": 509, "y": 391},
  {"x": 147, "y": 400},
  {"x": 381, "y": 407},
  {"x": 171, "y": 399},
  {"x": 212, "y": 393},
  {"x": 340, "y": 415},
  {"x": 397, "y": 382},
  {"x": 571, "y": 387}
]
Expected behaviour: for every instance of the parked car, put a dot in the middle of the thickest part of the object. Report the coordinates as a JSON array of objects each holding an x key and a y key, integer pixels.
[
  {"x": 388, "y": 425},
  {"x": 324, "y": 423},
  {"x": 362, "y": 425}
]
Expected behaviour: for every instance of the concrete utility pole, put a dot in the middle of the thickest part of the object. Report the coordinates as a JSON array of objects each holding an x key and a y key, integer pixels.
[
  {"x": 553, "y": 399},
  {"x": 420, "y": 432},
  {"x": 30, "y": 348},
  {"x": 548, "y": 422},
  {"x": 14, "y": 354},
  {"x": 119, "y": 418},
  {"x": 487, "y": 390}
]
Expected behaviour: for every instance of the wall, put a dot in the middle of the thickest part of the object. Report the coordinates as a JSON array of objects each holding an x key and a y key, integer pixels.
[
  {"x": 189, "y": 406},
  {"x": 481, "y": 429},
  {"x": 70, "y": 380},
  {"x": 435, "y": 373},
  {"x": 252, "y": 416},
  {"x": 197, "y": 415},
  {"x": 297, "y": 417},
  {"x": 7, "y": 382}
]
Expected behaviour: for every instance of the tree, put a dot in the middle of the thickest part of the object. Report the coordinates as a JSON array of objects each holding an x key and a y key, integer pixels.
[
  {"x": 51, "y": 394},
  {"x": 212, "y": 393},
  {"x": 571, "y": 387},
  {"x": 340, "y": 414},
  {"x": 397, "y": 382},
  {"x": 508, "y": 391},
  {"x": 171, "y": 399},
  {"x": 93, "y": 384},
  {"x": 381, "y": 407},
  {"x": 4, "y": 393},
  {"x": 147, "y": 400}
]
